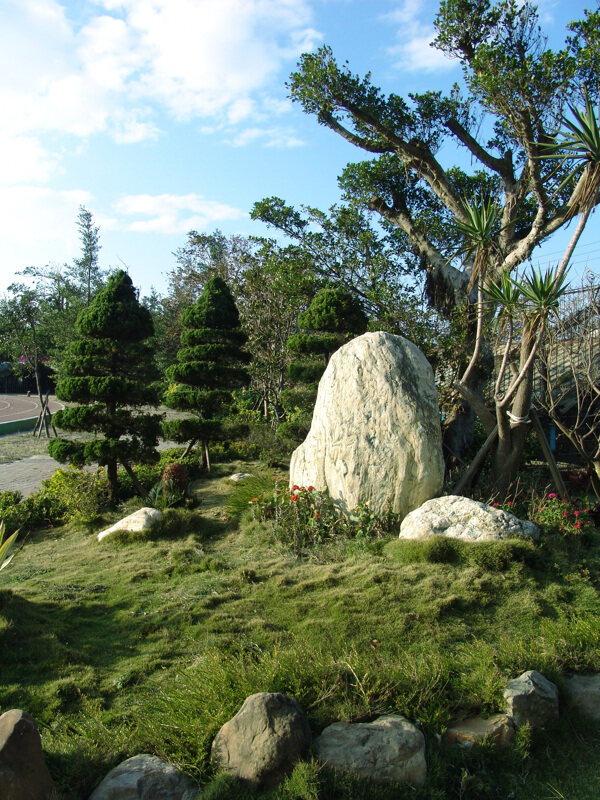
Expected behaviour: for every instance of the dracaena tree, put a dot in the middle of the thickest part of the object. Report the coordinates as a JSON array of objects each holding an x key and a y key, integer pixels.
[
  {"x": 513, "y": 95},
  {"x": 108, "y": 376}
]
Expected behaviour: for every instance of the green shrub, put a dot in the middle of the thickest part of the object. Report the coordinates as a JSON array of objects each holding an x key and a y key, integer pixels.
[
  {"x": 555, "y": 515},
  {"x": 75, "y": 494},
  {"x": 13, "y": 514}
]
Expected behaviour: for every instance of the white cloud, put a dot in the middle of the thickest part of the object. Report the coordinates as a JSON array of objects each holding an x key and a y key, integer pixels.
[
  {"x": 37, "y": 226},
  {"x": 115, "y": 70},
  {"x": 169, "y": 213},
  {"x": 282, "y": 138},
  {"x": 413, "y": 52}
]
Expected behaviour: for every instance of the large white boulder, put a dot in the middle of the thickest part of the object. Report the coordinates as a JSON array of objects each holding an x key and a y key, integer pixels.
[
  {"x": 375, "y": 435},
  {"x": 140, "y": 520},
  {"x": 463, "y": 518}
]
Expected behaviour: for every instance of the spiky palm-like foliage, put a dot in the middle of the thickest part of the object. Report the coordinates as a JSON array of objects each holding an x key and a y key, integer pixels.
[{"x": 578, "y": 145}]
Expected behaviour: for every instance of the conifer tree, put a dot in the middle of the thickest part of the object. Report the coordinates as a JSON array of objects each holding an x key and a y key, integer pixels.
[
  {"x": 108, "y": 372},
  {"x": 334, "y": 316},
  {"x": 210, "y": 366}
]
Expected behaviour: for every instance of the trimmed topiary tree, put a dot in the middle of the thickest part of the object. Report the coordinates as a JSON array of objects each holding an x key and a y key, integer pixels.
[
  {"x": 108, "y": 372},
  {"x": 210, "y": 366},
  {"x": 334, "y": 317}
]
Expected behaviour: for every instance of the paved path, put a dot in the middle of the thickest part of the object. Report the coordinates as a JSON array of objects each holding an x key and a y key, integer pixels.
[
  {"x": 19, "y": 406},
  {"x": 26, "y": 475}
]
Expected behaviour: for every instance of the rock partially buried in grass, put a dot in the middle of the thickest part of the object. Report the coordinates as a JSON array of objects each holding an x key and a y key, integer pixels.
[
  {"x": 499, "y": 728},
  {"x": 145, "y": 777},
  {"x": 23, "y": 773},
  {"x": 584, "y": 693},
  {"x": 263, "y": 741},
  {"x": 238, "y": 477},
  {"x": 462, "y": 518},
  {"x": 531, "y": 698},
  {"x": 388, "y": 749},
  {"x": 140, "y": 520}
]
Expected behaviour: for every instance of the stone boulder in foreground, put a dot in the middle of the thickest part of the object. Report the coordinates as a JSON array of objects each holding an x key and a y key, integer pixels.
[
  {"x": 375, "y": 435},
  {"x": 462, "y": 518}
]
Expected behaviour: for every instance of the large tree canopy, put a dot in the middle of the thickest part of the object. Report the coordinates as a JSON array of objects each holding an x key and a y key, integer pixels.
[{"x": 515, "y": 89}]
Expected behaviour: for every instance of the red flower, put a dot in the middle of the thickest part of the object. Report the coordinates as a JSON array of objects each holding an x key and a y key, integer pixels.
[
  {"x": 295, "y": 488},
  {"x": 311, "y": 488},
  {"x": 293, "y": 498}
]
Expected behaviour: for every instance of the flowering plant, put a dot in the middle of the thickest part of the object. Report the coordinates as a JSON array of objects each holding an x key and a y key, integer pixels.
[
  {"x": 303, "y": 516},
  {"x": 555, "y": 514}
]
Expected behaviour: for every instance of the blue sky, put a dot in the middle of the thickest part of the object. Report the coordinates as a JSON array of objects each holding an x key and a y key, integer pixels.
[{"x": 162, "y": 116}]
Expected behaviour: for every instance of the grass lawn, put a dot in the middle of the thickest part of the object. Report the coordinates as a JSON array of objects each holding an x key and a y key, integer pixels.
[{"x": 149, "y": 645}]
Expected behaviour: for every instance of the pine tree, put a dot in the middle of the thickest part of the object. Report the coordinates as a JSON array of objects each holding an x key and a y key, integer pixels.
[
  {"x": 109, "y": 371},
  {"x": 333, "y": 318},
  {"x": 210, "y": 366}
]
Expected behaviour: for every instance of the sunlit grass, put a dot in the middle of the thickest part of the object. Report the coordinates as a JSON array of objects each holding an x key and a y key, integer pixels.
[{"x": 149, "y": 645}]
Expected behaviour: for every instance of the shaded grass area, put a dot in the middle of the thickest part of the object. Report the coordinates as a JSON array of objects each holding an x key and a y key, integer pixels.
[{"x": 149, "y": 644}]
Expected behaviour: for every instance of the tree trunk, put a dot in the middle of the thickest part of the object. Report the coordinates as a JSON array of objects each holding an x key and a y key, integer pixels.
[
  {"x": 206, "y": 456},
  {"x": 113, "y": 481},
  {"x": 134, "y": 479},
  {"x": 512, "y": 432},
  {"x": 507, "y": 458}
]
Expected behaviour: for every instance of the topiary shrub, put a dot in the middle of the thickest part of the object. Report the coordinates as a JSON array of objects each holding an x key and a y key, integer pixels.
[
  {"x": 177, "y": 475},
  {"x": 210, "y": 365},
  {"x": 108, "y": 372}
]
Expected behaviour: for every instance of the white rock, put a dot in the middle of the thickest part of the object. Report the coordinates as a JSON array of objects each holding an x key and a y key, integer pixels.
[
  {"x": 388, "y": 749},
  {"x": 237, "y": 477},
  {"x": 145, "y": 777},
  {"x": 140, "y": 520},
  {"x": 375, "y": 435},
  {"x": 462, "y": 518}
]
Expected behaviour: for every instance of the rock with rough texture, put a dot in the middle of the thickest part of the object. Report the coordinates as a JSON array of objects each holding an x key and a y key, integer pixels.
[
  {"x": 140, "y": 520},
  {"x": 531, "y": 698},
  {"x": 388, "y": 749},
  {"x": 263, "y": 741},
  {"x": 145, "y": 777},
  {"x": 375, "y": 435},
  {"x": 583, "y": 692},
  {"x": 238, "y": 477},
  {"x": 23, "y": 773},
  {"x": 499, "y": 728},
  {"x": 462, "y": 518}
]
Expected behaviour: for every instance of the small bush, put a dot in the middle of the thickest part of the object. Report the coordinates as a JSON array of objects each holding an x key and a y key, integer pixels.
[
  {"x": 175, "y": 475},
  {"x": 74, "y": 494},
  {"x": 553, "y": 515},
  {"x": 302, "y": 517}
]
